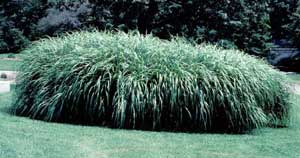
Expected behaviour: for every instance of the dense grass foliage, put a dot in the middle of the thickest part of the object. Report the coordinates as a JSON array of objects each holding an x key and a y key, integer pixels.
[{"x": 133, "y": 81}]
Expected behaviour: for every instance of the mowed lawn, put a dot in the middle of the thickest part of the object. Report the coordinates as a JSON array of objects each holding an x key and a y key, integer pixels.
[
  {"x": 295, "y": 78},
  {"x": 9, "y": 62},
  {"x": 26, "y": 138},
  {"x": 11, "y": 65}
]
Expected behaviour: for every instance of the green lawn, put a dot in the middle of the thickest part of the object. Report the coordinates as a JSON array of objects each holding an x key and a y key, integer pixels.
[
  {"x": 11, "y": 55},
  {"x": 295, "y": 77},
  {"x": 11, "y": 65},
  {"x": 26, "y": 138}
]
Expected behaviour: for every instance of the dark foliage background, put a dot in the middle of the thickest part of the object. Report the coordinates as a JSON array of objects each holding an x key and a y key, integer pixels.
[
  {"x": 293, "y": 26},
  {"x": 284, "y": 21},
  {"x": 243, "y": 24}
]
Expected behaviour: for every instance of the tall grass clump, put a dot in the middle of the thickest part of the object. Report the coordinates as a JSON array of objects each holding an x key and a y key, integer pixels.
[{"x": 141, "y": 82}]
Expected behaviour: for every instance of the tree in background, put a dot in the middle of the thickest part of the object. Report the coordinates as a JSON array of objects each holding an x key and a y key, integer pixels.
[
  {"x": 293, "y": 27},
  {"x": 244, "y": 24},
  {"x": 18, "y": 22}
]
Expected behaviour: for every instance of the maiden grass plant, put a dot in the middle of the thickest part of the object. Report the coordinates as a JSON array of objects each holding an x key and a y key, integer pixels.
[{"x": 133, "y": 81}]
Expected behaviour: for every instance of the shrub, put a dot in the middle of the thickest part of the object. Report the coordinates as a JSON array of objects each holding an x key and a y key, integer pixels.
[
  {"x": 63, "y": 17},
  {"x": 133, "y": 81},
  {"x": 244, "y": 24}
]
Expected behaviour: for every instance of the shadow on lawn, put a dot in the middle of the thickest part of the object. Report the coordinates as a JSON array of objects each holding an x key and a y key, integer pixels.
[{"x": 6, "y": 109}]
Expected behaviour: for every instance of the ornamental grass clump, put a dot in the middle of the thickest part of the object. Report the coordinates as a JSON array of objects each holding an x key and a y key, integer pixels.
[{"x": 133, "y": 81}]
